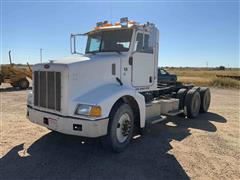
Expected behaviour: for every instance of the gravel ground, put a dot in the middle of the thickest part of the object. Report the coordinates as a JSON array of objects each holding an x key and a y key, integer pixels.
[{"x": 203, "y": 148}]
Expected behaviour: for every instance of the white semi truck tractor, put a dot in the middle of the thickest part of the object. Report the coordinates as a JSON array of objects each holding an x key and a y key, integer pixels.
[{"x": 111, "y": 91}]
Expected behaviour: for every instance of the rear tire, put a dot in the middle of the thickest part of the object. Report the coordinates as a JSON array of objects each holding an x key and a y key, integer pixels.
[
  {"x": 1, "y": 79},
  {"x": 23, "y": 84},
  {"x": 120, "y": 128},
  {"x": 181, "y": 96},
  {"x": 205, "y": 99},
  {"x": 192, "y": 103},
  {"x": 14, "y": 84}
]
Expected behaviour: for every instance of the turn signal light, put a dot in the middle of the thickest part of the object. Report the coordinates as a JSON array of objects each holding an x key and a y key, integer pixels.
[{"x": 96, "y": 111}]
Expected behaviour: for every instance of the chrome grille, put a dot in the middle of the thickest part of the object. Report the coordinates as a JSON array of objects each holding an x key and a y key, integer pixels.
[{"x": 47, "y": 89}]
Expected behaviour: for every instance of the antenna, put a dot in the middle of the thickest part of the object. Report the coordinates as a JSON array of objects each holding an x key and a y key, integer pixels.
[
  {"x": 41, "y": 55},
  {"x": 10, "y": 58},
  {"x": 111, "y": 11}
]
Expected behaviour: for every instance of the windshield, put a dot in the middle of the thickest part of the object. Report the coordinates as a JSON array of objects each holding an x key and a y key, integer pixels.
[{"x": 109, "y": 41}]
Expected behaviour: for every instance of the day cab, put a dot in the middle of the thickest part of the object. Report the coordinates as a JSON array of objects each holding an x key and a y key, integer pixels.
[{"x": 111, "y": 91}]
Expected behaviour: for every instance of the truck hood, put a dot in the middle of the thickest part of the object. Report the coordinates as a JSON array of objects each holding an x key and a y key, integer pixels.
[
  {"x": 81, "y": 74},
  {"x": 75, "y": 59}
]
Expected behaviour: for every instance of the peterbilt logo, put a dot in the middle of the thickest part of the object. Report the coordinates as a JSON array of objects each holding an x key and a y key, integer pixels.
[{"x": 46, "y": 66}]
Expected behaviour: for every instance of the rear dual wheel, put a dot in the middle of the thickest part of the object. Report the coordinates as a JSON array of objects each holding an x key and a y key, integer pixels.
[
  {"x": 192, "y": 103},
  {"x": 181, "y": 96},
  {"x": 197, "y": 100},
  {"x": 205, "y": 99}
]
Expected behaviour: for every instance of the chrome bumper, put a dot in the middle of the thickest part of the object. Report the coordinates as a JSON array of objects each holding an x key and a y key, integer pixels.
[{"x": 68, "y": 125}]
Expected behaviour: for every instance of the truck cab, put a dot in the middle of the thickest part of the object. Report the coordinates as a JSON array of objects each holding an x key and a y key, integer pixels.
[{"x": 110, "y": 90}]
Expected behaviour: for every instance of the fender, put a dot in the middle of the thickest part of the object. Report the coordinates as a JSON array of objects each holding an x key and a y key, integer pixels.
[{"x": 106, "y": 95}]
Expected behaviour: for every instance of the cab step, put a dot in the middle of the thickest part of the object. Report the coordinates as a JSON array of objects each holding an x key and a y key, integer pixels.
[
  {"x": 162, "y": 118},
  {"x": 174, "y": 113},
  {"x": 156, "y": 119}
]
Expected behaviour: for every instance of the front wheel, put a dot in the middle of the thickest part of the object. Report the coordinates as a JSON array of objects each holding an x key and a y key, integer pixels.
[{"x": 120, "y": 128}]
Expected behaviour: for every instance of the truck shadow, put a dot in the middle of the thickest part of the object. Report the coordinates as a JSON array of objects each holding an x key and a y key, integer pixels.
[
  {"x": 58, "y": 156},
  {"x": 12, "y": 89}
]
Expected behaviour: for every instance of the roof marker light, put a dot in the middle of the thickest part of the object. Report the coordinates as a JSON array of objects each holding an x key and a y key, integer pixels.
[
  {"x": 99, "y": 24},
  {"x": 117, "y": 23},
  {"x": 105, "y": 22},
  {"x": 124, "y": 22}
]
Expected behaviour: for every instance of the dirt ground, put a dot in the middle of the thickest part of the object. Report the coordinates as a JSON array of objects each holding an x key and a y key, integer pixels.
[{"x": 202, "y": 148}]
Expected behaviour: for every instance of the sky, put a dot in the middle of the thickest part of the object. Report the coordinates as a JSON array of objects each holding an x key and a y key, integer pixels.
[{"x": 192, "y": 33}]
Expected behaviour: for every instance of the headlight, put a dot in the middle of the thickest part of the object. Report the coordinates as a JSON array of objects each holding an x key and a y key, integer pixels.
[
  {"x": 29, "y": 98},
  {"x": 88, "y": 110}
]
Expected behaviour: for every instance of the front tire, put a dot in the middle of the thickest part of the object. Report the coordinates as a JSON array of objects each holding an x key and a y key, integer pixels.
[{"x": 120, "y": 128}]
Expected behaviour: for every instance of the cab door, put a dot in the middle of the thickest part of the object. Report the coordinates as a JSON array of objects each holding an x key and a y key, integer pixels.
[{"x": 142, "y": 61}]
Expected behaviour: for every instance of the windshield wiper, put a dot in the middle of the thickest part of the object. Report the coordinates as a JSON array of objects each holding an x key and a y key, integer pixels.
[
  {"x": 92, "y": 52},
  {"x": 119, "y": 52}
]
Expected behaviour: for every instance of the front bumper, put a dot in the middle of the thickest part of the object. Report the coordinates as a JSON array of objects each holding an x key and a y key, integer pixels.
[{"x": 68, "y": 125}]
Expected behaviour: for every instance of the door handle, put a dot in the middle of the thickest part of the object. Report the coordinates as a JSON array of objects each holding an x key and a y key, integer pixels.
[
  {"x": 150, "y": 79},
  {"x": 130, "y": 61}
]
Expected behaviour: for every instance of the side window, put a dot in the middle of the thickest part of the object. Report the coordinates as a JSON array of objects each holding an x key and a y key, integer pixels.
[
  {"x": 142, "y": 43},
  {"x": 139, "y": 42},
  {"x": 146, "y": 47}
]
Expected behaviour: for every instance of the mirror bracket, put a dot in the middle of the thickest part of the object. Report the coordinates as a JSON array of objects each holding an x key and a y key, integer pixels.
[{"x": 73, "y": 43}]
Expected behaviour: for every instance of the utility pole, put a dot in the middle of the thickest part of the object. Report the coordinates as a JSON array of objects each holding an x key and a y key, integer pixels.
[{"x": 41, "y": 55}]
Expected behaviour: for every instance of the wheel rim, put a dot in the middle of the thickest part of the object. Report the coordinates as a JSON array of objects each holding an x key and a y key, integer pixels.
[{"x": 123, "y": 128}]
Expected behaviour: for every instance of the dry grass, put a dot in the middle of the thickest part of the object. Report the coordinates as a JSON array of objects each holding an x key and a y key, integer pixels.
[
  {"x": 225, "y": 82},
  {"x": 204, "y": 77}
]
